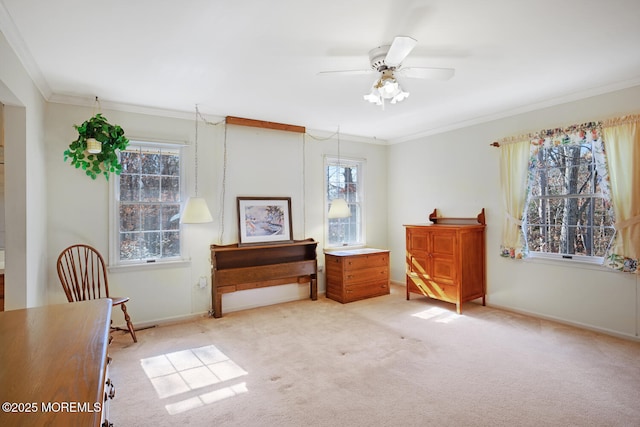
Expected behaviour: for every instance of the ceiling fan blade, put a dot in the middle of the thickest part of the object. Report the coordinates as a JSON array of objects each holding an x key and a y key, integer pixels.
[
  {"x": 427, "y": 73},
  {"x": 400, "y": 48},
  {"x": 347, "y": 72}
]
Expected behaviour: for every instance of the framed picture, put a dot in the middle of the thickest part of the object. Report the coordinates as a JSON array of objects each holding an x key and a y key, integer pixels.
[{"x": 264, "y": 220}]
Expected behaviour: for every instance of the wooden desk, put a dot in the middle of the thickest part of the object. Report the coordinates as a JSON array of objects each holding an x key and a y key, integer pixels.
[
  {"x": 53, "y": 363},
  {"x": 235, "y": 268}
]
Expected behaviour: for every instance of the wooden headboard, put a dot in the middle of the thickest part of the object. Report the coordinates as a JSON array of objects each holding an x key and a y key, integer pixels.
[{"x": 237, "y": 268}]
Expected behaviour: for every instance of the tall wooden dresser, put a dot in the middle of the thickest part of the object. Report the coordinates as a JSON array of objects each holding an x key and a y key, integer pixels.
[
  {"x": 357, "y": 274},
  {"x": 445, "y": 260}
]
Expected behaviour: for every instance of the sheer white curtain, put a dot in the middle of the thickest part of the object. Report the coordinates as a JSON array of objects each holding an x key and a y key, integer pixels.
[
  {"x": 622, "y": 145},
  {"x": 514, "y": 158}
]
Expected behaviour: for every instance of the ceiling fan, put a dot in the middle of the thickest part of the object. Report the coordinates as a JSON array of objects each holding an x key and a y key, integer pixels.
[{"x": 387, "y": 61}]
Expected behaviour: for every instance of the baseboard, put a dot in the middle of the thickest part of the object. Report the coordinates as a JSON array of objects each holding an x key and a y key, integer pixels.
[
  {"x": 567, "y": 322},
  {"x": 554, "y": 319},
  {"x": 165, "y": 321},
  {"x": 205, "y": 314}
]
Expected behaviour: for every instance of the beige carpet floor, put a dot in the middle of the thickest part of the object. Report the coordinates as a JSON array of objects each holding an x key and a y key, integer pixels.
[{"x": 379, "y": 362}]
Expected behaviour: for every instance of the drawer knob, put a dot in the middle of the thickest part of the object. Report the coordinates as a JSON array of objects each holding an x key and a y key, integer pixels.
[{"x": 112, "y": 389}]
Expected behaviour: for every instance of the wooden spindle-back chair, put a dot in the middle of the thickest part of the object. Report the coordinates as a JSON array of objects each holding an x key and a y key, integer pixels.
[{"x": 83, "y": 276}]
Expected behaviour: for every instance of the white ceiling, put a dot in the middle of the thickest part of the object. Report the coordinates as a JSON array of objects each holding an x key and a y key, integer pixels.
[{"x": 260, "y": 59}]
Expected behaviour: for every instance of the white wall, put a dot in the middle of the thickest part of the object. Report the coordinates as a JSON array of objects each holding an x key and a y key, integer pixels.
[
  {"x": 260, "y": 162},
  {"x": 79, "y": 213},
  {"x": 457, "y": 172},
  {"x": 25, "y": 177}
]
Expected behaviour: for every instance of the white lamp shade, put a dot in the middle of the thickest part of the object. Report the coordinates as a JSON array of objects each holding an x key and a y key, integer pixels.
[
  {"x": 339, "y": 209},
  {"x": 196, "y": 211}
]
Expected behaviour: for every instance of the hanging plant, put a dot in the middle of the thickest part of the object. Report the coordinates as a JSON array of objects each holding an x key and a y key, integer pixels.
[{"x": 108, "y": 138}]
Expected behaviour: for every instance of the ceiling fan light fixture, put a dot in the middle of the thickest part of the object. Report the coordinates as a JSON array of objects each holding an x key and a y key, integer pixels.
[
  {"x": 386, "y": 87},
  {"x": 373, "y": 97},
  {"x": 400, "y": 96}
]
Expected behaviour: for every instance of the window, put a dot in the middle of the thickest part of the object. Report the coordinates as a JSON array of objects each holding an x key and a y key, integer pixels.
[
  {"x": 344, "y": 179},
  {"x": 568, "y": 212},
  {"x": 147, "y": 204}
]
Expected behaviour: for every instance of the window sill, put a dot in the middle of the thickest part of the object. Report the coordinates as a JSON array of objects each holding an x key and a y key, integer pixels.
[
  {"x": 576, "y": 262},
  {"x": 121, "y": 268},
  {"x": 343, "y": 248}
]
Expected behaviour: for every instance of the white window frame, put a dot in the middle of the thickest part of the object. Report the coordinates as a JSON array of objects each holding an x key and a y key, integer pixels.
[
  {"x": 560, "y": 257},
  {"x": 114, "y": 213},
  {"x": 361, "y": 196}
]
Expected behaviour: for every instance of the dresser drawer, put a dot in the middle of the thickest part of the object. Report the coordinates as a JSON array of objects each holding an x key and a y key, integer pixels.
[
  {"x": 366, "y": 275},
  {"x": 422, "y": 284},
  {"x": 366, "y": 261},
  {"x": 360, "y": 291}
]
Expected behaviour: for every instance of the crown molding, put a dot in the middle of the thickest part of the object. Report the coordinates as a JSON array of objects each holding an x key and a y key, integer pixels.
[
  {"x": 89, "y": 101},
  {"x": 85, "y": 101},
  {"x": 16, "y": 42},
  {"x": 576, "y": 96}
]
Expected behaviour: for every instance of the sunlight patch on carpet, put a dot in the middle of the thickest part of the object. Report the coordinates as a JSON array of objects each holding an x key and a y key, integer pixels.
[
  {"x": 181, "y": 372},
  {"x": 206, "y": 398},
  {"x": 437, "y": 314}
]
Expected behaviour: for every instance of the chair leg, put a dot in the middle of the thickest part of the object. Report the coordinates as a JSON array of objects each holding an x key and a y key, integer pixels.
[{"x": 129, "y": 324}]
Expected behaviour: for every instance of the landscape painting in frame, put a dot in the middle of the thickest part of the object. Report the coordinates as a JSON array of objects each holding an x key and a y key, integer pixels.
[{"x": 264, "y": 220}]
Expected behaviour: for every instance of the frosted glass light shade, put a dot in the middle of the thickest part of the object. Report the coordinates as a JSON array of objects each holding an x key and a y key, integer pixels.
[
  {"x": 339, "y": 209},
  {"x": 196, "y": 211},
  {"x": 386, "y": 88}
]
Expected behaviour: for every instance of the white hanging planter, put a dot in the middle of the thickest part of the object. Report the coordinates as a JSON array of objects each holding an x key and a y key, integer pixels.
[{"x": 93, "y": 146}]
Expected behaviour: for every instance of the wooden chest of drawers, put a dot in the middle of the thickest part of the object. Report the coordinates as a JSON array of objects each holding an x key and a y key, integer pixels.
[
  {"x": 446, "y": 260},
  {"x": 357, "y": 274}
]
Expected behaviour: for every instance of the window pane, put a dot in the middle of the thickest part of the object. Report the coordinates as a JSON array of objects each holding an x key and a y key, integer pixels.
[
  {"x": 130, "y": 162},
  {"x": 602, "y": 237},
  {"x": 544, "y": 238},
  {"x": 556, "y": 182},
  {"x": 170, "y": 189},
  {"x": 150, "y": 163},
  {"x": 150, "y": 217},
  {"x": 151, "y": 245},
  {"x": 129, "y": 188},
  {"x": 129, "y": 246},
  {"x": 130, "y": 217},
  {"x": 171, "y": 217},
  {"x": 171, "y": 244},
  {"x": 602, "y": 215},
  {"x": 171, "y": 165},
  {"x": 150, "y": 191},
  {"x": 333, "y": 192}
]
